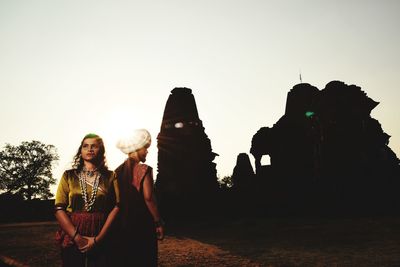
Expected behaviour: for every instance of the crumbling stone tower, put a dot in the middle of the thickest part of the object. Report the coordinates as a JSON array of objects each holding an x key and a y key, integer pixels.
[{"x": 187, "y": 180}]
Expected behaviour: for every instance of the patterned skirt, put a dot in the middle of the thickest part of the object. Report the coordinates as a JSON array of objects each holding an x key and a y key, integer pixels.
[{"x": 88, "y": 224}]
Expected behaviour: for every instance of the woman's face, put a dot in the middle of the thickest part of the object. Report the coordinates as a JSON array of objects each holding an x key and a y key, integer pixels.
[{"x": 90, "y": 149}]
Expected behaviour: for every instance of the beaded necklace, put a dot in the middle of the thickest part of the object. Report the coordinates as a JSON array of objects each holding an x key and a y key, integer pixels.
[{"x": 89, "y": 202}]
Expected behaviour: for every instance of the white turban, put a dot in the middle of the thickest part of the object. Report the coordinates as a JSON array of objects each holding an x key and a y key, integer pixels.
[{"x": 139, "y": 139}]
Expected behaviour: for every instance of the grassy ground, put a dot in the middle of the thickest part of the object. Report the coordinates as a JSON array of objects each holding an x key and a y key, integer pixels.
[{"x": 246, "y": 242}]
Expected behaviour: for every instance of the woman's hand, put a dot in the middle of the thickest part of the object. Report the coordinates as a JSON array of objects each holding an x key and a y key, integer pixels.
[
  {"x": 90, "y": 243},
  {"x": 160, "y": 232},
  {"x": 80, "y": 241}
]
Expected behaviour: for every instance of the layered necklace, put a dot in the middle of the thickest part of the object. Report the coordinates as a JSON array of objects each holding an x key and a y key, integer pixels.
[{"x": 84, "y": 175}]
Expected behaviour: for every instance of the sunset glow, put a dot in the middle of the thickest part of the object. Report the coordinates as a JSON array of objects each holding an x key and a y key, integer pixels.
[{"x": 71, "y": 67}]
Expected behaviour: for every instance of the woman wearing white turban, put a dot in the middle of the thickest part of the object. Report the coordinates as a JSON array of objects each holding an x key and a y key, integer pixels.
[{"x": 139, "y": 223}]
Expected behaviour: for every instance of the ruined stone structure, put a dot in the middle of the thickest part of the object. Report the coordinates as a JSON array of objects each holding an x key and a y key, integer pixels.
[
  {"x": 327, "y": 152},
  {"x": 238, "y": 200},
  {"x": 243, "y": 174},
  {"x": 187, "y": 180}
]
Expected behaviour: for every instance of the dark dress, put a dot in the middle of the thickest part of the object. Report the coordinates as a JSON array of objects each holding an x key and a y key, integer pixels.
[{"x": 135, "y": 239}]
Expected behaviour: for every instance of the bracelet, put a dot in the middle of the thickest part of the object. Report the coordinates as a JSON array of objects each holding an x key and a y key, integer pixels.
[{"x": 57, "y": 208}]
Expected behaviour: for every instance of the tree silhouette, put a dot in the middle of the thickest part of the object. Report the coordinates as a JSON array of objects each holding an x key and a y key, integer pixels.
[
  {"x": 25, "y": 170},
  {"x": 226, "y": 182}
]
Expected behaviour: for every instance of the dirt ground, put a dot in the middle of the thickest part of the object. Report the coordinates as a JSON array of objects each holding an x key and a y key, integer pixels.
[
  {"x": 175, "y": 251},
  {"x": 366, "y": 242}
]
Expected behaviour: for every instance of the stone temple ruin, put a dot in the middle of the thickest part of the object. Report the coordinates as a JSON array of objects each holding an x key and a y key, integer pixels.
[
  {"x": 187, "y": 179},
  {"x": 327, "y": 154},
  {"x": 243, "y": 174}
]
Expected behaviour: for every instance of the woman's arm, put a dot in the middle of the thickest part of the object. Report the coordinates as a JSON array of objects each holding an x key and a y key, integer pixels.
[
  {"x": 110, "y": 218},
  {"x": 61, "y": 203},
  {"x": 92, "y": 241},
  {"x": 69, "y": 228},
  {"x": 150, "y": 200},
  {"x": 114, "y": 194}
]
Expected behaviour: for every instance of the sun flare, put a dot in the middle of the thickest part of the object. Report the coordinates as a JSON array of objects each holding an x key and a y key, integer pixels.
[{"x": 119, "y": 123}]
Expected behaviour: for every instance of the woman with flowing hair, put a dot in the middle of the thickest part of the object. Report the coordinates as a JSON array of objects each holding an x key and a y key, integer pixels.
[{"x": 87, "y": 202}]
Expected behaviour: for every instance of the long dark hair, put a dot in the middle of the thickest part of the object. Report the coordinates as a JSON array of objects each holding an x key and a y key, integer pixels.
[{"x": 100, "y": 161}]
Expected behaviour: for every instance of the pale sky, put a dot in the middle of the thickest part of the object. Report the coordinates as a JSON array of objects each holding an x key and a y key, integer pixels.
[{"x": 70, "y": 67}]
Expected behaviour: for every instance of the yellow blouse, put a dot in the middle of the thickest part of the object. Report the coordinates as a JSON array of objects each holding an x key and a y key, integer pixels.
[{"x": 69, "y": 194}]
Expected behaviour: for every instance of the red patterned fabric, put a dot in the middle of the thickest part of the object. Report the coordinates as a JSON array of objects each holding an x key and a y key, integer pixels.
[
  {"x": 138, "y": 174},
  {"x": 88, "y": 224}
]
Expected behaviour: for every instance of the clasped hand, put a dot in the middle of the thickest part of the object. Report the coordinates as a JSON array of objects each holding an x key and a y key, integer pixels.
[{"x": 85, "y": 243}]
